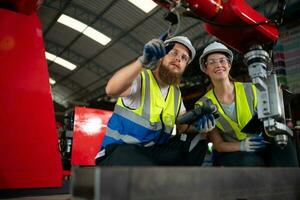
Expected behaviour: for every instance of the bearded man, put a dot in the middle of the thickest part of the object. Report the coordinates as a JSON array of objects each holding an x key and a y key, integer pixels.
[{"x": 139, "y": 130}]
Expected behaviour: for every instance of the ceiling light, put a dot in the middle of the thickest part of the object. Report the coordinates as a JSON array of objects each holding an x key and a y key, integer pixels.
[
  {"x": 52, "y": 81},
  {"x": 72, "y": 23},
  {"x": 96, "y": 35},
  {"x": 146, "y": 5},
  {"x": 60, "y": 61},
  {"x": 84, "y": 28},
  {"x": 50, "y": 56},
  {"x": 65, "y": 63}
]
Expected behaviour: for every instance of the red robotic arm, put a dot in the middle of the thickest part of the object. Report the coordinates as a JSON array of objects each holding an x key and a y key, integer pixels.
[
  {"x": 233, "y": 22},
  {"x": 238, "y": 25}
]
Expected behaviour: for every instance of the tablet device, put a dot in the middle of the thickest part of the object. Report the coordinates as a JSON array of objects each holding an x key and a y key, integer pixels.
[{"x": 254, "y": 126}]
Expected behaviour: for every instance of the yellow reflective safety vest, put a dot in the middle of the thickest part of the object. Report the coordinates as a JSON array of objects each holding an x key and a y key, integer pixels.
[
  {"x": 151, "y": 123},
  {"x": 245, "y": 105}
]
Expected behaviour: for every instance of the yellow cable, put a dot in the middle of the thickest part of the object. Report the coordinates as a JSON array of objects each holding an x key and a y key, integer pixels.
[{"x": 267, "y": 133}]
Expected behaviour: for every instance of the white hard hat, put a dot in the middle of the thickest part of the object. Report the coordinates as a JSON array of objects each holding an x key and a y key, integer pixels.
[
  {"x": 214, "y": 47},
  {"x": 184, "y": 41}
]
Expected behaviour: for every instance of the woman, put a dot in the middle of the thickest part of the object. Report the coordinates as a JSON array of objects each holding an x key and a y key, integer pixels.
[{"x": 237, "y": 104}]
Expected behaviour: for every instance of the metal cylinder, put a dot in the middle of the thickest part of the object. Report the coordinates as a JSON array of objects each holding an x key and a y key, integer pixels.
[{"x": 281, "y": 140}]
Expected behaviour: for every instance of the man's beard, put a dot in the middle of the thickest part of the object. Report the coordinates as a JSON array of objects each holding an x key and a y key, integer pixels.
[{"x": 167, "y": 76}]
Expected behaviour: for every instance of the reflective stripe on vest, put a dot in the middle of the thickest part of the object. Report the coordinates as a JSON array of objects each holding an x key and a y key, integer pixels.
[
  {"x": 126, "y": 138},
  {"x": 245, "y": 92},
  {"x": 153, "y": 115},
  {"x": 146, "y": 100},
  {"x": 137, "y": 119}
]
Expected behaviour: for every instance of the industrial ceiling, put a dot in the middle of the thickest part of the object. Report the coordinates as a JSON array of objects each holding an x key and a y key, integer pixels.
[{"x": 129, "y": 29}]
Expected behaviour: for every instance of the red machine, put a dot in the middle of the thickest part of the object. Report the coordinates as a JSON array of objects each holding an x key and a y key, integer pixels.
[
  {"x": 89, "y": 129},
  {"x": 29, "y": 144},
  {"x": 225, "y": 19}
]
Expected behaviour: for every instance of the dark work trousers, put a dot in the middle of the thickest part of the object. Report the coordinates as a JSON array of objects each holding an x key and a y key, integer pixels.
[
  {"x": 281, "y": 157},
  {"x": 238, "y": 159},
  {"x": 174, "y": 153},
  {"x": 271, "y": 156}
]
